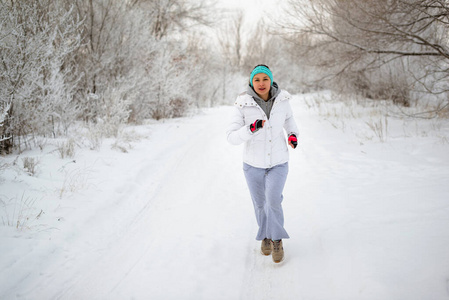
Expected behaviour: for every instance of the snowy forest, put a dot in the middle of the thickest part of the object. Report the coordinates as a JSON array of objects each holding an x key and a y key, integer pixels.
[{"x": 106, "y": 63}]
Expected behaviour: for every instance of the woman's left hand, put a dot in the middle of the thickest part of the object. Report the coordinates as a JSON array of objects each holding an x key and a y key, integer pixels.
[{"x": 293, "y": 141}]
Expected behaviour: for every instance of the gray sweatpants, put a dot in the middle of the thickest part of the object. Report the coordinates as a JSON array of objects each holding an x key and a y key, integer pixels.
[{"x": 266, "y": 186}]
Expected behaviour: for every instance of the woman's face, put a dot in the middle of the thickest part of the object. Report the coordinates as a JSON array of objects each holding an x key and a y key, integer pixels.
[{"x": 262, "y": 84}]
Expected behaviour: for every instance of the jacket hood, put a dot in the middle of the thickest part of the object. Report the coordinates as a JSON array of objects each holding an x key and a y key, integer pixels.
[{"x": 247, "y": 98}]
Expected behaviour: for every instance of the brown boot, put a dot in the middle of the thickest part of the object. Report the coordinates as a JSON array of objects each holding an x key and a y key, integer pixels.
[
  {"x": 266, "y": 247},
  {"x": 277, "y": 251}
]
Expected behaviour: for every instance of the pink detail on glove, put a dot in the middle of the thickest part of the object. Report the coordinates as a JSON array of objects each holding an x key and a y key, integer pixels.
[{"x": 256, "y": 125}]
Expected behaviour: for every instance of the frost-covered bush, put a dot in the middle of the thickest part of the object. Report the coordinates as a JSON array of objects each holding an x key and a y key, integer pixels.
[
  {"x": 30, "y": 165},
  {"x": 130, "y": 48},
  {"x": 5, "y": 136},
  {"x": 114, "y": 111},
  {"x": 378, "y": 49},
  {"x": 104, "y": 62},
  {"x": 391, "y": 81},
  {"x": 67, "y": 148},
  {"x": 171, "y": 79},
  {"x": 37, "y": 41}
]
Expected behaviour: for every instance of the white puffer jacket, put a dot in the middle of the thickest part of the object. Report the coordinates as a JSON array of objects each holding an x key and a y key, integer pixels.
[{"x": 267, "y": 147}]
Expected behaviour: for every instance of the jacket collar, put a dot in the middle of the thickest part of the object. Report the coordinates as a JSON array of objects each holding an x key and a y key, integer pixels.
[{"x": 244, "y": 99}]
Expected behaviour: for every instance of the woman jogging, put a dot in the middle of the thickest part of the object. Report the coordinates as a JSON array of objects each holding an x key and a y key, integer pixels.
[{"x": 260, "y": 116}]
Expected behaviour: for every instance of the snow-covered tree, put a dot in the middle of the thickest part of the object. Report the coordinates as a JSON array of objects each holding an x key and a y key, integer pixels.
[
  {"x": 380, "y": 41},
  {"x": 37, "y": 39},
  {"x": 104, "y": 62},
  {"x": 130, "y": 47}
]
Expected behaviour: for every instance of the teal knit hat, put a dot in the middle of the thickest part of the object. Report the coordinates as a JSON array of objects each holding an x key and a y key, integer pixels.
[{"x": 261, "y": 69}]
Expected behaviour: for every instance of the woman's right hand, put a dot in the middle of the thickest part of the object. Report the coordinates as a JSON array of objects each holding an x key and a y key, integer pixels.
[{"x": 256, "y": 125}]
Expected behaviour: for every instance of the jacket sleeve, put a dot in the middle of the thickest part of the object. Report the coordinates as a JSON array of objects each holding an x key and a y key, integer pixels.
[
  {"x": 237, "y": 131},
  {"x": 290, "y": 124}
]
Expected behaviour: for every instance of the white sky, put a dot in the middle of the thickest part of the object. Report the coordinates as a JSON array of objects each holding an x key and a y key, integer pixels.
[{"x": 253, "y": 9}]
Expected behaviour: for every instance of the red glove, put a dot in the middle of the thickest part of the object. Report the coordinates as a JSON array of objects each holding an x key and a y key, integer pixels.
[
  {"x": 256, "y": 125},
  {"x": 293, "y": 141}
]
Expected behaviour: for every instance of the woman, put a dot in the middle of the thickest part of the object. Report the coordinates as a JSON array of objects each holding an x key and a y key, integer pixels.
[{"x": 260, "y": 116}]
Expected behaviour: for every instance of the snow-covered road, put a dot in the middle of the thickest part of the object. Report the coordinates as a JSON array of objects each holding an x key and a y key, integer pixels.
[{"x": 173, "y": 220}]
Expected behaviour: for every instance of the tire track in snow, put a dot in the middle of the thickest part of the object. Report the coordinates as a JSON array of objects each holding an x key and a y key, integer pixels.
[
  {"x": 142, "y": 259},
  {"x": 130, "y": 247}
]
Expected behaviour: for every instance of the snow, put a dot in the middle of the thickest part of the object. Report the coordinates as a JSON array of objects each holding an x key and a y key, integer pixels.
[{"x": 368, "y": 215}]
